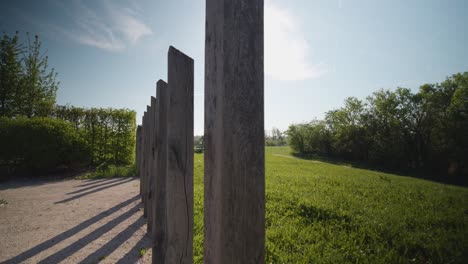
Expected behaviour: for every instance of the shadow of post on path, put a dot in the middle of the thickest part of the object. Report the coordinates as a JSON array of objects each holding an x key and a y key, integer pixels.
[
  {"x": 82, "y": 242},
  {"x": 134, "y": 253},
  {"x": 69, "y": 233},
  {"x": 114, "y": 243},
  {"x": 93, "y": 191},
  {"x": 100, "y": 184},
  {"x": 97, "y": 181}
]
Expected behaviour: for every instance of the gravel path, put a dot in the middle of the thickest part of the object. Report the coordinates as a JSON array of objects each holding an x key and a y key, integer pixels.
[{"x": 72, "y": 221}]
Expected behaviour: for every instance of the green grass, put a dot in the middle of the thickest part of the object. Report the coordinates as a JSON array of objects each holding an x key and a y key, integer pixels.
[
  {"x": 110, "y": 171},
  {"x": 142, "y": 252},
  {"x": 318, "y": 212}
]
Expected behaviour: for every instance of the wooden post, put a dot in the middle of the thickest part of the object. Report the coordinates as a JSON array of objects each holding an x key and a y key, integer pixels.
[
  {"x": 234, "y": 133},
  {"x": 151, "y": 166},
  {"x": 159, "y": 210},
  {"x": 142, "y": 160},
  {"x": 137, "y": 151},
  {"x": 147, "y": 155},
  {"x": 179, "y": 184}
]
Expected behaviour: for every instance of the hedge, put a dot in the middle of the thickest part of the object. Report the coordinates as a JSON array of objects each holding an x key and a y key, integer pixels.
[
  {"x": 109, "y": 133},
  {"x": 71, "y": 137},
  {"x": 40, "y": 144}
]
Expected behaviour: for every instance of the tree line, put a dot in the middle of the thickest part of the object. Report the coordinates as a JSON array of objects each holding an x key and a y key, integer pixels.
[
  {"x": 275, "y": 137},
  {"x": 28, "y": 113},
  {"x": 424, "y": 132}
]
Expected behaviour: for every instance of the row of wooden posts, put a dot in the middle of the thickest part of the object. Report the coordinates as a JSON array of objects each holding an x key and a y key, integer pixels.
[{"x": 234, "y": 162}]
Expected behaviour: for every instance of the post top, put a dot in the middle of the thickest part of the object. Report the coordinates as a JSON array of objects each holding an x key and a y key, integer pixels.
[
  {"x": 175, "y": 52},
  {"x": 159, "y": 82}
]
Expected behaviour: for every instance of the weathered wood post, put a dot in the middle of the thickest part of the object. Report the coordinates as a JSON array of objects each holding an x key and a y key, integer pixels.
[
  {"x": 179, "y": 184},
  {"x": 147, "y": 160},
  {"x": 137, "y": 152},
  {"x": 234, "y": 133},
  {"x": 143, "y": 161},
  {"x": 152, "y": 165},
  {"x": 159, "y": 209}
]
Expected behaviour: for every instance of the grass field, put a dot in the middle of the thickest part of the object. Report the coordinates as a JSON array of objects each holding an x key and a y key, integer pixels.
[{"x": 323, "y": 213}]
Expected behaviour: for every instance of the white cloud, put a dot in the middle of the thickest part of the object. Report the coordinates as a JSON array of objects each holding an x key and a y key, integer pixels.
[
  {"x": 287, "y": 53},
  {"x": 125, "y": 21},
  {"x": 101, "y": 43},
  {"x": 110, "y": 27}
]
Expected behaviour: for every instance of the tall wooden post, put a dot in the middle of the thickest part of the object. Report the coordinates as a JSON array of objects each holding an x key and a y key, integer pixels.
[
  {"x": 137, "y": 151},
  {"x": 159, "y": 209},
  {"x": 179, "y": 184},
  {"x": 142, "y": 161},
  {"x": 234, "y": 132},
  {"x": 151, "y": 165},
  {"x": 147, "y": 160}
]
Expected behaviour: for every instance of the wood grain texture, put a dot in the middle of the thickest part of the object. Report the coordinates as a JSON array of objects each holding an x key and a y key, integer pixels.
[
  {"x": 146, "y": 154},
  {"x": 159, "y": 210},
  {"x": 179, "y": 184},
  {"x": 234, "y": 189},
  {"x": 143, "y": 160},
  {"x": 138, "y": 153},
  {"x": 152, "y": 163}
]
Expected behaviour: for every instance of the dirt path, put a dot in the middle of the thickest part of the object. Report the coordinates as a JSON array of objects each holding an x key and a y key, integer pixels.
[{"x": 72, "y": 221}]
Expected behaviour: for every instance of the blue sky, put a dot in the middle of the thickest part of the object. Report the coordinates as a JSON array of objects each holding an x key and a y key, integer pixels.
[{"x": 317, "y": 53}]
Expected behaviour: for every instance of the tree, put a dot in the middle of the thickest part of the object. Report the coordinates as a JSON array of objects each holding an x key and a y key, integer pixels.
[
  {"x": 27, "y": 86},
  {"x": 347, "y": 125},
  {"x": 456, "y": 123},
  {"x": 423, "y": 132},
  {"x": 39, "y": 85},
  {"x": 10, "y": 74},
  {"x": 277, "y": 136},
  {"x": 296, "y": 137}
]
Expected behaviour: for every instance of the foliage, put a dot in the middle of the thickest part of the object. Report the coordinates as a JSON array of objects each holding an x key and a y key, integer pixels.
[
  {"x": 27, "y": 86},
  {"x": 199, "y": 144},
  {"x": 276, "y": 138},
  {"x": 318, "y": 212},
  {"x": 10, "y": 74},
  {"x": 399, "y": 130},
  {"x": 109, "y": 133},
  {"x": 75, "y": 137},
  {"x": 40, "y": 144},
  {"x": 110, "y": 171},
  {"x": 142, "y": 252}
]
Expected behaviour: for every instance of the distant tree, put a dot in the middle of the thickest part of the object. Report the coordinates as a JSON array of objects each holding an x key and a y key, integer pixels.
[
  {"x": 347, "y": 126},
  {"x": 297, "y": 134},
  {"x": 198, "y": 144},
  {"x": 448, "y": 102},
  {"x": 278, "y": 136},
  {"x": 39, "y": 84},
  {"x": 198, "y": 141},
  {"x": 318, "y": 138},
  {"x": 275, "y": 138},
  {"x": 422, "y": 132},
  {"x": 10, "y": 74}
]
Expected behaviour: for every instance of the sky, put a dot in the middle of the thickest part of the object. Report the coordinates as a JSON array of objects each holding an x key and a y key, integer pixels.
[{"x": 317, "y": 52}]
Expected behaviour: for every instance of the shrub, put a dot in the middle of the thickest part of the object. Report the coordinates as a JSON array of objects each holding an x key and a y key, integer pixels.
[
  {"x": 40, "y": 144},
  {"x": 109, "y": 133},
  {"x": 109, "y": 171}
]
